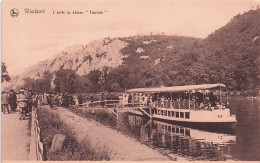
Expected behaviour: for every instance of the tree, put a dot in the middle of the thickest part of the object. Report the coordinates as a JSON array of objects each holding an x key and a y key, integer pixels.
[
  {"x": 95, "y": 82},
  {"x": 39, "y": 85},
  {"x": 28, "y": 83},
  {"x": 42, "y": 85},
  {"x": 65, "y": 80},
  {"x": 81, "y": 84},
  {"x": 5, "y": 76},
  {"x": 47, "y": 79}
]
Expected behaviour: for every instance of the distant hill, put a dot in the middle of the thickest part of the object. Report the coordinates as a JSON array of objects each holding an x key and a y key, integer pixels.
[
  {"x": 230, "y": 55},
  {"x": 236, "y": 48},
  {"x": 81, "y": 58}
]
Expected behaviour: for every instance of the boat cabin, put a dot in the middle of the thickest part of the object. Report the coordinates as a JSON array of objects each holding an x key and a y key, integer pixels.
[{"x": 205, "y": 97}]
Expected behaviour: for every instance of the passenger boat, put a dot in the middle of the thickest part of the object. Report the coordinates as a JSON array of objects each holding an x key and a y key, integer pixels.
[{"x": 203, "y": 103}]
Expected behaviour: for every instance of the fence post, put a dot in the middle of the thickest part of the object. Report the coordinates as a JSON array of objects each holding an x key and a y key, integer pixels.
[{"x": 33, "y": 148}]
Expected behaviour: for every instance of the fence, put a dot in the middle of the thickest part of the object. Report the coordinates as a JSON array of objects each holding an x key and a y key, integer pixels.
[
  {"x": 106, "y": 103},
  {"x": 36, "y": 146}
]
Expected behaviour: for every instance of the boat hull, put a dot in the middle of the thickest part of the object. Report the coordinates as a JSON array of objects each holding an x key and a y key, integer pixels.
[
  {"x": 212, "y": 120},
  {"x": 220, "y": 127}
]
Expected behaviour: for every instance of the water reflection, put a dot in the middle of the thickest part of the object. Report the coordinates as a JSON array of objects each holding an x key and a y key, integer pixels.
[
  {"x": 248, "y": 129},
  {"x": 174, "y": 139}
]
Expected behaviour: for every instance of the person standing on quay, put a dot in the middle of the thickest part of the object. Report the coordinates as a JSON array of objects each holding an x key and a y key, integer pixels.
[
  {"x": 80, "y": 100},
  {"x": 4, "y": 101},
  {"x": 102, "y": 103},
  {"x": 22, "y": 103},
  {"x": 91, "y": 100},
  {"x": 65, "y": 100},
  {"x": 12, "y": 100},
  {"x": 130, "y": 100},
  {"x": 29, "y": 100}
]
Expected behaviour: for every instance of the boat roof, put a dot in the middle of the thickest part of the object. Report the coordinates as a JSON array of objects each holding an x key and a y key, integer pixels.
[{"x": 177, "y": 88}]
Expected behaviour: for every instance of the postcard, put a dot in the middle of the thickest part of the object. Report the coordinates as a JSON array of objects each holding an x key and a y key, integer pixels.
[{"x": 130, "y": 80}]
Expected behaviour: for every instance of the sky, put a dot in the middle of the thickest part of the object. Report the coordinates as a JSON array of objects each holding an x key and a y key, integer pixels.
[{"x": 30, "y": 38}]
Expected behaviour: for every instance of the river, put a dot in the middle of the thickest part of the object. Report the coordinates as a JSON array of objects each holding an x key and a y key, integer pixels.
[{"x": 202, "y": 144}]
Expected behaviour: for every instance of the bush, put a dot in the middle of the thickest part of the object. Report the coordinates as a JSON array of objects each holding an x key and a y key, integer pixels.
[{"x": 101, "y": 115}]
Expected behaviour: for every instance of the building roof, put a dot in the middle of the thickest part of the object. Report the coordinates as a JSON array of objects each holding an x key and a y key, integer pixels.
[{"x": 177, "y": 88}]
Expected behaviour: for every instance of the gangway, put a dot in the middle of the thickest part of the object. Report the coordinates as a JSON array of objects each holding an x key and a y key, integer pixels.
[{"x": 141, "y": 109}]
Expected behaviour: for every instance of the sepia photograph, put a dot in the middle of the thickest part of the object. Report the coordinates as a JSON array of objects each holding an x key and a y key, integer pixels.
[{"x": 130, "y": 80}]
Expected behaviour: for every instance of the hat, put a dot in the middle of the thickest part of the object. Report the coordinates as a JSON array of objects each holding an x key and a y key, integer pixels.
[{"x": 22, "y": 90}]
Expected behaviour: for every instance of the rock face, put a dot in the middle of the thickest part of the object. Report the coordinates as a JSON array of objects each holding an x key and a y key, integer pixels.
[{"x": 81, "y": 58}]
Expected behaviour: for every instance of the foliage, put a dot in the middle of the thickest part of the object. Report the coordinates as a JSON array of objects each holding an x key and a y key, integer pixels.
[
  {"x": 28, "y": 83},
  {"x": 95, "y": 82},
  {"x": 39, "y": 85},
  {"x": 5, "y": 76},
  {"x": 230, "y": 55},
  {"x": 101, "y": 115},
  {"x": 65, "y": 80}
]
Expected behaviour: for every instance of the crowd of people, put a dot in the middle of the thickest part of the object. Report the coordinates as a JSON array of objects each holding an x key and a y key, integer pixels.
[
  {"x": 59, "y": 99},
  {"x": 26, "y": 99},
  {"x": 196, "y": 100},
  {"x": 8, "y": 101},
  {"x": 22, "y": 99}
]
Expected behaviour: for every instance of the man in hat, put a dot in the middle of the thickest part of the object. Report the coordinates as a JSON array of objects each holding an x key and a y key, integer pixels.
[
  {"x": 12, "y": 100},
  {"x": 29, "y": 100},
  {"x": 4, "y": 102},
  {"x": 22, "y": 102}
]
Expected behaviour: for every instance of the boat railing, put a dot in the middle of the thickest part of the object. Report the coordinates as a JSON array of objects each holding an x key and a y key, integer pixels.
[{"x": 176, "y": 104}]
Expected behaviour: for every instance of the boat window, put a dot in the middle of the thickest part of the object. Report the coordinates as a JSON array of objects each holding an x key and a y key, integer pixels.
[
  {"x": 172, "y": 113},
  {"x": 182, "y": 130},
  {"x": 181, "y": 114},
  {"x": 162, "y": 112},
  {"x": 165, "y": 113},
  {"x": 159, "y": 112},
  {"x": 169, "y": 113},
  {"x": 177, "y": 114},
  {"x": 177, "y": 130},
  {"x": 187, "y": 115},
  {"x": 169, "y": 128},
  {"x": 173, "y": 129},
  {"x": 187, "y": 132}
]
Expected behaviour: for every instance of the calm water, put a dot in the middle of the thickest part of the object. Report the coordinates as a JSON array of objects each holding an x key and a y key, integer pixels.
[{"x": 198, "y": 144}]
